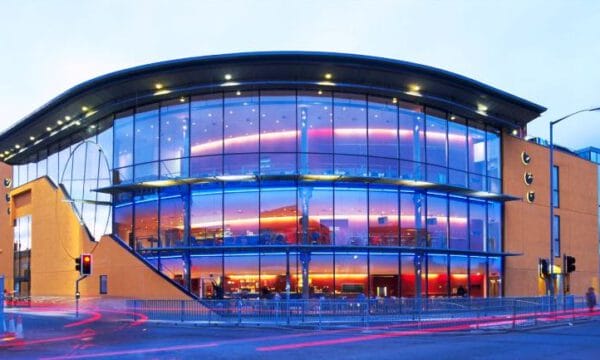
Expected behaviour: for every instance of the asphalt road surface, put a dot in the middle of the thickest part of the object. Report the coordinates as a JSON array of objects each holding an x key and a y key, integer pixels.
[{"x": 106, "y": 335}]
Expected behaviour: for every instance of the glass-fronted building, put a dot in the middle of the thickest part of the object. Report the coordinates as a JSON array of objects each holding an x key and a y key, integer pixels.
[{"x": 313, "y": 174}]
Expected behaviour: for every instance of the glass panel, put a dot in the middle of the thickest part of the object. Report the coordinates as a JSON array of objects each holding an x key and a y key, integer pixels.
[
  {"x": 206, "y": 166},
  {"x": 105, "y": 141},
  {"x": 437, "y": 276},
  {"x": 383, "y": 217},
  {"x": 320, "y": 276},
  {"x": 383, "y": 127},
  {"x": 383, "y": 275},
  {"x": 278, "y": 214},
  {"x": 206, "y": 215},
  {"x": 383, "y": 168},
  {"x": 315, "y": 206},
  {"x": 23, "y": 174},
  {"x": 495, "y": 277},
  {"x": 350, "y": 165},
  {"x": 315, "y": 121},
  {"x": 172, "y": 213},
  {"x": 407, "y": 276},
  {"x": 436, "y": 137},
  {"x": 240, "y": 214},
  {"x": 437, "y": 221},
  {"x": 494, "y": 224},
  {"x": 273, "y": 270},
  {"x": 146, "y": 144},
  {"x": 411, "y": 132},
  {"x": 123, "y": 141},
  {"x": 459, "y": 266},
  {"x": 241, "y": 122},
  {"x": 123, "y": 223},
  {"x": 494, "y": 164},
  {"x": 278, "y": 121},
  {"x": 351, "y": 275},
  {"x": 477, "y": 222},
  {"x": 556, "y": 235},
  {"x": 477, "y": 151},
  {"x": 174, "y": 267},
  {"x": 246, "y": 164},
  {"x": 412, "y": 219},
  {"x": 206, "y": 125},
  {"x": 277, "y": 164},
  {"x": 207, "y": 276},
  {"x": 174, "y": 139},
  {"x": 350, "y": 121},
  {"x": 351, "y": 224},
  {"x": 32, "y": 168},
  {"x": 241, "y": 276},
  {"x": 146, "y": 221},
  {"x": 477, "y": 277},
  {"x": 458, "y": 224},
  {"x": 410, "y": 170},
  {"x": 42, "y": 163},
  {"x": 457, "y": 143}
]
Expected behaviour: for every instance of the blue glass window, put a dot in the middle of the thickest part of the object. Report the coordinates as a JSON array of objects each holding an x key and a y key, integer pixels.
[
  {"x": 123, "y": 142},
  {"x": 146, "y": 221},
  {"x": 350, "y": 121},
  {"x": 351, "y": 223},
  {"x": 436, "y": 137},
  {"x": 351, "y": 271},
  {"x": 494, "y": 227},
  {"x": 437, "y": 275},
  {"x": 172, "y": 214},
  {"x": 412, "y": 219},
  {"x": 459, "y": 230},
  {"x": 241, "y": 275},
  {"x": 383, "y": 275},
  {"x": 437, "y": 221},
  {"x": 411, "y": 132},
  {"x": 477, "y": 156},
  {"x": 206, "y": 125},
  {"x": 383, "y": 127},
  {"x": 315, "y": 122},
  {"x": 206, "y": 215},
  {"x": 494, "y": 164},
  {"x": 207, "y": 276},
  {"x": 459, "y": 275},
  {"x": 174, "y": 138},
  {"x": 495, "y": 277},
  {"x": 315, "y": 208},
  {"x": 477, "y": 225},
  {"x": 278, "y": 214},
  {"x": 146, "y": 144},
  {"x": 241, "y": 122},
  {"x": 240, "y": 213},
  {"x": 278, "y": 121},
  {"x": 383, "y": 217}
]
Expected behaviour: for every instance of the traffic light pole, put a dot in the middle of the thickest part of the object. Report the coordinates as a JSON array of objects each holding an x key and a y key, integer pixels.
[{"x": 78, "y": 295}]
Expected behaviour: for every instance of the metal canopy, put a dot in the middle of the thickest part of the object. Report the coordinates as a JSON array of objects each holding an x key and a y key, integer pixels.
[{"x": 104, "y": 95}]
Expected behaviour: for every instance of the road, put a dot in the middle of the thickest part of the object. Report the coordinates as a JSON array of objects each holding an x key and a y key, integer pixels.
[{"x": 105, "y": 335}]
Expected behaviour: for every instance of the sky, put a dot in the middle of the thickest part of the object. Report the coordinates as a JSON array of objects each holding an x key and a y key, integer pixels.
[{"x": 547, "y": 51}]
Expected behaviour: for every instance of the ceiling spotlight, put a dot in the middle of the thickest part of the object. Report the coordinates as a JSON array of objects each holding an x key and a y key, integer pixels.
[
  {"x": 17, "y": 146},
  {"x": 59, "y": 122},
  {"x": 394, "y": 100},
  {"x": 77, "y": 123},
  {"x": 32, "y": 138},
  {"x": 320, "y": 92},
  {"x": 48, "y": 128},
  {"x": 84, "y": 108},
  {"x": 228, "y": 77},
  {"x": 182, "y": 99},
  {"x": 158, "y": 86},
  {"x": 328, "y": 76},
  {"x": 68, "y": 118},
  {"x": 238, "y": 93}
]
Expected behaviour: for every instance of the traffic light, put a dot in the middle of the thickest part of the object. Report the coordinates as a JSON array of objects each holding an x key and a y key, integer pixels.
[
  {"x": 86, "y": 264},
  {"x": 83, "y": 264},
  {"x": 569, "y": 264},
  {"x": 544, "y": 269}
]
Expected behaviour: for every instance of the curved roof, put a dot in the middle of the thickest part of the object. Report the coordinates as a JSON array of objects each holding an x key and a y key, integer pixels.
[{"x": 374, "y": 75}]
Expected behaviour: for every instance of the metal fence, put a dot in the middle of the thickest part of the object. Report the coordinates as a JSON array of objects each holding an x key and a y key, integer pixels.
[{"x": 478, "y": 312}]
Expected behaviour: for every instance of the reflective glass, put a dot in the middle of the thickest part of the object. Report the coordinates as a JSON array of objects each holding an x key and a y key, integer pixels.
[
  {"x": 206, "y": 166},
  {"x": 476, "y": 141},
  {"x": 273, "y": 270},
  {"x": 278, "y": 214},
  {"x": 383, "y": 217},
  {"x": 494, "y": 227},
  {"x": 174, "y": 267},
  {"x": 172, "y": 214},
  {"x": 241, "y": 276},
  {"x": 321, "y": 275},
  {"x": 315, "y": 208},
  {"x": 350, "y": 124},
  {"x": 174, "y": 139},
  {"x": 206, "y": 125},
  {"x": 412, "y": 219},
  {"x": 494, "y": 164},
  {"x": 241, "y": 122},
  {"x": 351, "y": 216},
  {"x": 123, "y": 223},
  {"x": 277, "y": 164},
  {"x": 383, "y": 127},
  {"x": 459, "y": 276},
  {"x": 146, "y": 144},
  {"x": 437, "y": 275},
  {"x": 411, "y": 132},
  {"x": 42, "y": 164},
  {"x": 351, "y": 275},
  {"x": 437, "y": 221},
  {"x": 146, "y": 221},
  {"x": 207, "y": 276},
  {"x": 123, "y": 141},
  {"x": 477, "y": 225},
  {"x": 495, "y": 277},
  {"x": 240, "y": 214},
  {"x": 105, "y": 139},
  {"x": 478, "y": 276},
  {"x": 278, "y": 121},
  {"x": 383, "y": 275},
  {"x": 315, "y": 124},
  {"x": 243, "y": 164},
  {"x": 459, "y": 239},
  {"x": 206, "y": 215},
  {"x": 457, "y": 143},
  {"x": 436, "y": 137}
]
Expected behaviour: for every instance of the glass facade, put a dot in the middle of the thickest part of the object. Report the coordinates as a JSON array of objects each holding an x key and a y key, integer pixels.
[{"x": 243, "y": 193}]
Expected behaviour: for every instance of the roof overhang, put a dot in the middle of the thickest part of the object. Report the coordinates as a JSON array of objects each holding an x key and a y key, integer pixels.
[{"x": 92, "y": 100}]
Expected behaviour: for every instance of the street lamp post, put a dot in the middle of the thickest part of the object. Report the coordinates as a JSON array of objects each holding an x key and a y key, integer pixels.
[{"x": 552, "y": 123}]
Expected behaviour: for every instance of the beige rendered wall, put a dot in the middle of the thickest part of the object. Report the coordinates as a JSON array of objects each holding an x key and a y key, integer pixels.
[
  {"x": 527, "y": 225},
  {"x": 58, "y": 238}
]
